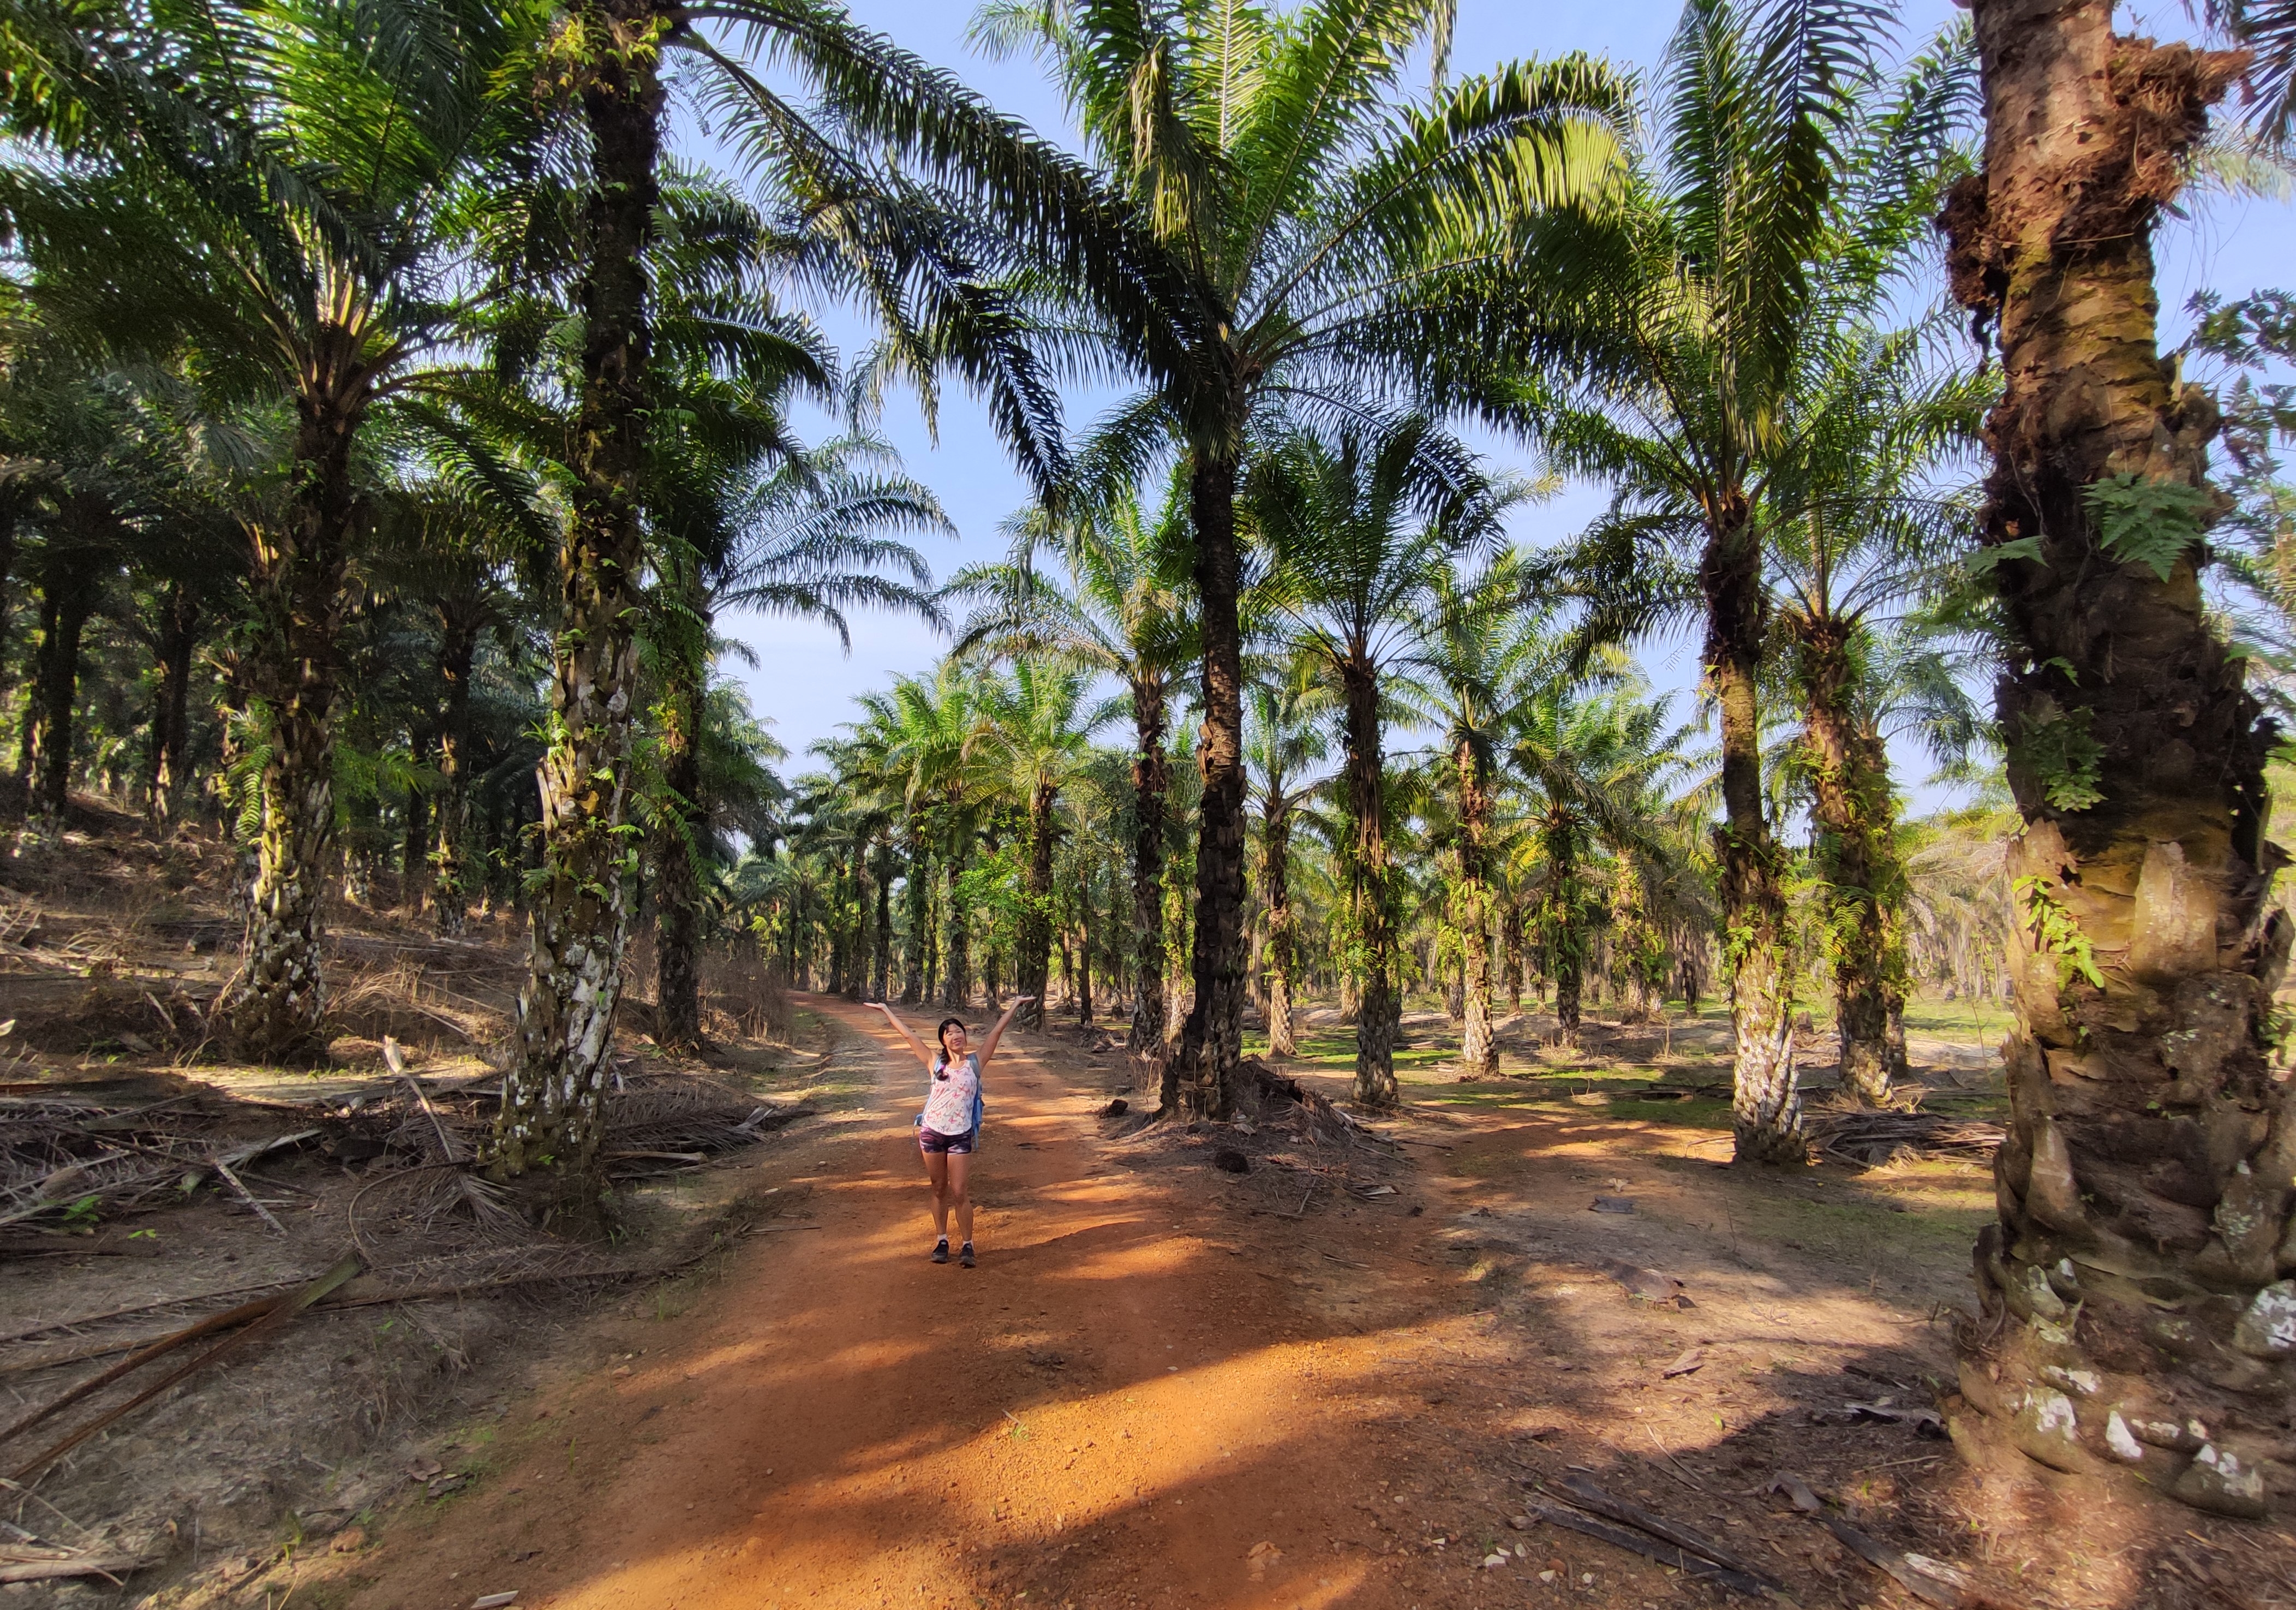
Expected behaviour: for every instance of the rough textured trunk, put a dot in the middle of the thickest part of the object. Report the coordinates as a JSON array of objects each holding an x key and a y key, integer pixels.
[
  {"x": 1211, "y": 1043},
  {"x": 1033, "y": 965},
  {"x": 882, "y": 964},
  {"x": 73, "y": 580},
  {"x": 1479, "y": 1053},
  {"x": 1864, "y": 888},
  {"x": 1638, "y": 953},
  {"x": 169, "y": 758},
  {"x": 450, "y": 870},
  {"x": 554, "y": 1095},
  {"x": 916, "y": 967},
  {"x": 1561, "y": 919},
  {"x": 2139, "y": 1313},
  {"x": 270, "y": 1010},
  {"x": 1084, "y": 959},
  {"x": 1150, "y": 777},
  {"x": 27, "y": 729},
  {"x": 1275, "y": 839},
  {"x": 1510, "y": 943},
  {"x": 1766, "y": 1098},
  {"x": 956, "y": 954},
  {"x": 1371, "y": 914},
  {"x": 840, "y": 952},
  {"x": 677, "y": 890}
]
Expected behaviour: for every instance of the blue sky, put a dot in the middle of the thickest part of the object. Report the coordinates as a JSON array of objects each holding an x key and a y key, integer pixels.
[{"x": 802, "y": 684}]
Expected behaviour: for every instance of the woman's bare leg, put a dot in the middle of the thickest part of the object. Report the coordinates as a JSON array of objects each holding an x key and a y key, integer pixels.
[
  {"x": 936, "y": 1171},
  {"x": 959, "y": 1166}
]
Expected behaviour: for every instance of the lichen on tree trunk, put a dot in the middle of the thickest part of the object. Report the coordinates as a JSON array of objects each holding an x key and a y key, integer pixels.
[
  {"x": 1765, "y": 1097},
  {"x": 1276, "y": 879},
  {"x": 956, "y": 952},
  {"x": 915, "y": 966},
  {"x": 1368, "y": 887},
  {"x": 1211, "y": 1041},
  {"x": 176, "y": 640},
  {"x": 553, "y": 1095},
  {"x": 272, "y": 1007},
  {"x": 1863, "y": 885},
  {"x": 1033, "y": 966},
  {"x": 683, "y": 652},
  {"x": 2139, "y": 1311},
  {"x": 450, "y": 870},
  {"x": 1479, "y": 1052}
]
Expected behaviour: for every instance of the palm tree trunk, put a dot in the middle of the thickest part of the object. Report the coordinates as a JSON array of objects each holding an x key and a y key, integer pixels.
[
  {"x": 1561, "y": 927},
  {"x": 1084, "y": 959},
  {"x": 2145, "y": 1190},
  {"x": 916, "y": 965},
  {"x": 450, "y": 874},
  {"x": 1864, "y": 888},
  {"x": 554, "y": 1095},
  {"x": 1150, "y": 779},
  {"x": 1479, "y": 1053},
  {"x": 1211, "y": 1043},
  {"x": 880, "y": 987},
  {"x": 415, "y": 832},
  {"x": 840, "y": 950},
  {"x": 1511, "y": 946},
  {"x": 1369, "y": 898},
  {"x": 1033, "y": 965},
  {"x": 677, "y": 891},
  {"x": 174, "y": 640},
  {"x": 272, "y": 1009},
  {"x": 1276, "y": 840},
  {"x": 74, "y": 580},
  {"x": 27, "y": 728},
  {"x": 1765, "y": 1097},
  {"x": 956, "y": 970}
]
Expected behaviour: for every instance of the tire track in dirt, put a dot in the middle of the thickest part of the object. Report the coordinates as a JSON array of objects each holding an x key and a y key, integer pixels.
[{"x": 1130, "y": 1401}]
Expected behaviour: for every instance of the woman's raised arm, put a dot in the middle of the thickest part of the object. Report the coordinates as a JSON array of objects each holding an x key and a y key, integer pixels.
[
  {"x": 988, "y": 1045},
  {"x": 902, "y": 1029}
]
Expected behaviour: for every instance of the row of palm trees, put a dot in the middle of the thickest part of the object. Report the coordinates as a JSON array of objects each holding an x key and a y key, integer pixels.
[{"x": 414, "y": 277}]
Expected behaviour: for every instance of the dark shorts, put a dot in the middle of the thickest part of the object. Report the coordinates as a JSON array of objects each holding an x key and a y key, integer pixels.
[{"x": 953, "y": 1145}]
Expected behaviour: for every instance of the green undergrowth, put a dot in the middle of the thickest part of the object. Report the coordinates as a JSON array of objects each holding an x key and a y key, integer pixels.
[{"x": 1982, "y": 1020}]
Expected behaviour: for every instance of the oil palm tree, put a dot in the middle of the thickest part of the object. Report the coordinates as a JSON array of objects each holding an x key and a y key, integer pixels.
[
  {"x": 1860, "y": 533},
  {"x": 1286, "y": 741},
  {"x": 1592, "y": 754},
  {"x": 1781, "y": 192},
  {"x": 1360, "y": 534},
  {"x": 1479, "y": 655},
  {"x": 930, "y": 272},
  {"x": 1301, "y": 239},
  {"x": 272, "y": 189},
  {"x": 1124, "y": 613},
  {"x": 1035, "y": 737},
  {"x": 777, "y": 529},
  {"x": 2140, "y": 1168},
  {"x": 929, "y": 738}
]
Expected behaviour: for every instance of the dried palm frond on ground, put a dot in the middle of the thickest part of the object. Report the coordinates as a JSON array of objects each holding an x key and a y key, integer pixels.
[{"x": 1871, "y": 1139}]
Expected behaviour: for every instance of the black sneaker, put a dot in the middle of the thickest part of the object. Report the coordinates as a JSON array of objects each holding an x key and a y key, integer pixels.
[
  {"x": 965, "y": 1257},
  {"x": 940, "y": 1251}
]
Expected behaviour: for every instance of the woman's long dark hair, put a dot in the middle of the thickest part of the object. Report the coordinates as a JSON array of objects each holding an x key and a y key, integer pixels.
[{"x": 940, "y": 1038}]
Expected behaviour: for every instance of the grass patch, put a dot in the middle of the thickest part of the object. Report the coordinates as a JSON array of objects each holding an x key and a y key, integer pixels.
[{"x": 1981, "y": 1019}]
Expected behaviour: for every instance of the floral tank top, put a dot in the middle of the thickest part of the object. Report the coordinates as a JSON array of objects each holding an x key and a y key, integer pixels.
[{"x": 951, "y": 1103}]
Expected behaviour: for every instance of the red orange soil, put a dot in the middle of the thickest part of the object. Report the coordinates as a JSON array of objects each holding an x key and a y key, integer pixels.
[{"x": 1156, "y": 1390}]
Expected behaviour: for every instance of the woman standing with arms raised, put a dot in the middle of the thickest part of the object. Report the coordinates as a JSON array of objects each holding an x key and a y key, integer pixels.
[{"x": 950, "y": 1124}]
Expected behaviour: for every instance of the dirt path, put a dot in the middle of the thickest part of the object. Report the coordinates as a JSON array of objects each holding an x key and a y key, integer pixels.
[
  {"x": 1121, "y": 1403},
  {"x": 1165, "y": 1385}
]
